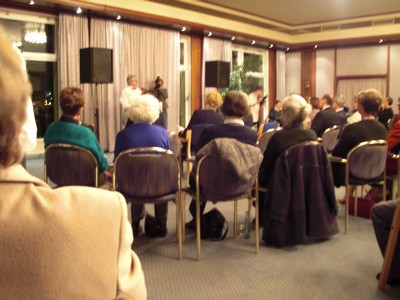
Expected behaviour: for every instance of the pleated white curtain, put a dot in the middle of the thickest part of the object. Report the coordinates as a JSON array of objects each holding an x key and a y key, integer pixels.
[
  {"x": 280, "y": 76},
  {"x": 214, "y": 49},
  {"x": 350, "y": 87},
  {"x": 144, "y": 51}
]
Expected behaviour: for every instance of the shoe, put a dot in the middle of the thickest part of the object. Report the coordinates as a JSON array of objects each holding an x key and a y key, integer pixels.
[
  {"x": 191, "y": 225},
  {"x": 162, "y": 230},
  {"x": 136, "y": 228},
  {"x": 391, "y": 280}
]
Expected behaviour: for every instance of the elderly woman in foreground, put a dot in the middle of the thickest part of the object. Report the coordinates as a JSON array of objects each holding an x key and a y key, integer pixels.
[
  {"x": 67, "y": 243},
  {"x": 144, "y": 110}
]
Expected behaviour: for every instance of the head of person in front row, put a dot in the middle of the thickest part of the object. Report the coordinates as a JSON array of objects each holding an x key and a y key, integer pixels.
[
  {"x": 295, "y": 112},
  {"x": 144, "y": 110},
  {"x": 213, "y": 100},
  {"x": 38, "y": 221}
]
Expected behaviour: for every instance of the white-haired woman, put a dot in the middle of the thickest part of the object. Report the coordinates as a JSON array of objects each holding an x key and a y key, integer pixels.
[
  {"x": 295, "y": 120},
  {"x": 144, "y": 110}
]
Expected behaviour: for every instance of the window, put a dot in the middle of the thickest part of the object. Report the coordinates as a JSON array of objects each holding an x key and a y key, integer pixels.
[{"x": 35, "y": 37}]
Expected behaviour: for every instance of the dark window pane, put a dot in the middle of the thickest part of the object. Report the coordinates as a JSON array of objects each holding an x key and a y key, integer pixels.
[
  {"x": 234, "y": 58},
  {"x": 182, "y": 56},
  {"x": 43, "y": 79},
  {"x": 253, "y": 62}
]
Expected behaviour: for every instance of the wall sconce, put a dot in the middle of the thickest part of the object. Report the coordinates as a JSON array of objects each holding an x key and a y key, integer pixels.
[{"x": 307, "y": 85}]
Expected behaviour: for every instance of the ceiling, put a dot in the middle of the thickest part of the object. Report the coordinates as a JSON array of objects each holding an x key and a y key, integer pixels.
[{"x": 306, "y": 12}]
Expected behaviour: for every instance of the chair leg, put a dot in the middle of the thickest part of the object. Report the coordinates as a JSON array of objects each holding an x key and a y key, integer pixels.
[
  {"x": 198, "y": 227},
  {"x": 179, "y": 222},
  {"x": 257, "y": 224},
  {"x": 346, "y": 224},
  {"x": 183, "y": 216},
  {"x": 235, "y": 218},
  {"x": 355, "y": 202},
  {"x": 391, "y": 245}
]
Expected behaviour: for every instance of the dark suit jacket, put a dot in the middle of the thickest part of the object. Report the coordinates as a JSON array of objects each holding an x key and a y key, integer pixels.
[
  {"x": 325, "y": 119},
  {"x": 241, "y": 133},
  {"x": 202, "y": 116}
]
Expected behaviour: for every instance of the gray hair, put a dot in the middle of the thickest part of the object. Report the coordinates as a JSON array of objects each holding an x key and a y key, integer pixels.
[
  {"x": 295, "y": 111},
  {"x": 130, "y": 77},
  {"x": 339, "y": 100},
  {"x": 144, "y": 108}
]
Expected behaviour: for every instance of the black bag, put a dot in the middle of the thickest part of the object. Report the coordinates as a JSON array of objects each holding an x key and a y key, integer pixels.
[{"x": 213, "y": 225}]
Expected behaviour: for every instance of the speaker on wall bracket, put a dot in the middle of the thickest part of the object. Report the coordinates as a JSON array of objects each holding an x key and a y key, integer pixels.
[
  {"x": 96, "y": 65},
  {"x": 217, "y": 74}
]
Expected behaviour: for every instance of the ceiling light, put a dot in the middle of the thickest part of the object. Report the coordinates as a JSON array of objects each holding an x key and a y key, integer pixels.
[
  {"x": 78, "y": 10},
  {"x": 183, "y": 29},
  {"x": 32, "y": 2},
  {"x": 271, "y": 46},
  {"x": 380, "y": 41},
  {"x": 253, "y": 42},
  {"x": 118, "y": 17},
  {"x": 316, "y": 46},
  {"x": 210, "y": 33},
  {"x": 287, "y": 49},
  {"x": 233, "y": 38}
]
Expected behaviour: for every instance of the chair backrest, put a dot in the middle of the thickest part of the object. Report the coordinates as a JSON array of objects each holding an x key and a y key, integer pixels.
[
  {"x": 146, "y": 172},
  {"x": 67, "y": 164},
  {"x": 197, "y": 129},
  {"x": 367, "y": 160},
  {"x": 329, "y": 138},
  {"x": 176, "y": 144},
  {"x": 265, "y": 137}
]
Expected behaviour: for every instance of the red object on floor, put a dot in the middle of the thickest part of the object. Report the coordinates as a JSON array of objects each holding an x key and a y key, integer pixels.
[{"x": 364, "y": 206}]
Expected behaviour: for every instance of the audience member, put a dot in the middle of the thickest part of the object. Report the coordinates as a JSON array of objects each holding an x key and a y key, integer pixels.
[
  {"x": 326, "y": 118},
  {"x": 275, "y": 112},
  {"x": 69, "y": 130},
  {"x": 314, "y": 101},
  {"x": 368, "y": 103},
  {"x": 295, "y": 112},
  {"x": 66, "y": 243},
  {"x": 338, "y": 106},
  {"x": 382, "y": 217},
  {"x": 254, "y": 101},
  {"x": 385, "y": 114},
  {"x": 234, "y": 108},
  {"x": 130, "y": 92},
  {"x": 355, "y": 114},
  {"x": 161, "y": 94},
  {"x": 144, "y": 110}
]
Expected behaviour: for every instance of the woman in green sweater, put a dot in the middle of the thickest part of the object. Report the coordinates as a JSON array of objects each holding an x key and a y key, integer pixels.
[{"x": 69, "y": 129}]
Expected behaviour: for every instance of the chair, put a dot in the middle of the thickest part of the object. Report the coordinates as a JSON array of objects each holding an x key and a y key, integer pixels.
[
  {"x": 394, "y": 177},
  {"x": 391, "y": 245},
  {"x": 265, "y": 137},
  {"x": 329, "y": 138},
  {"x": 149, "y": 175},
  {"x": 176, "y": 145},
  {"x": 264, "y": 127},
  {"x": 216, "y": 181},
  {"x": 66, "y": 164},
  {"x": 365, "y": 164},
  {"x": 300, "y": 202}
]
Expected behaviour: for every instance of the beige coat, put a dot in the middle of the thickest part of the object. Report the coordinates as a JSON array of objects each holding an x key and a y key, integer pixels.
[{"x": 65, "y": 243}]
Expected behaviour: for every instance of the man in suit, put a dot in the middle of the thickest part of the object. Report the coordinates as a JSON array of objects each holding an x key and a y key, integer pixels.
[
  {"x": 66, "y": 243},
  {"x": 326, "y": 118}
]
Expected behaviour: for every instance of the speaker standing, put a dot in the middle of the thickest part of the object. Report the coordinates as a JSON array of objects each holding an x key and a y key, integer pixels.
[{"x": 129, "y": 93}]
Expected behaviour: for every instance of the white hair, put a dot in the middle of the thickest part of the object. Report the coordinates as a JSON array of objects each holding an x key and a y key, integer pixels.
[
  {"x": 295, "y": 110},
  {"x": 144, "y": 108}
]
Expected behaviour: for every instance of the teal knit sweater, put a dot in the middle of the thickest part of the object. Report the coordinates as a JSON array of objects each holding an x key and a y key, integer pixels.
[{"x": 70, "y": 133}]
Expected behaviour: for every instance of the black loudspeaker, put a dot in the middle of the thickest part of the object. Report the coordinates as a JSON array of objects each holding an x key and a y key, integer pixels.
[
  {"x": 217, "y": 74},
  {"x": 96, "y": 65}
]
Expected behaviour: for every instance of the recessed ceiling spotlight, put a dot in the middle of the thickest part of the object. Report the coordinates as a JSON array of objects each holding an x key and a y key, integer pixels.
[
  {"x": 271, "y": 46},
  {"x": 287, "y": 49},
  {"x": 79, "y": 10},
  {"x": 210, "y": 33},
  {"x": 380, "y": 41},
  {"x": 183, "y": 29},
  {"x": 316, "y": 46},
  {"x": 253, "y": 42},
  {"x": 233, "y": 38},
  {"x": 118, "y": 17},
  {"x": 32, "y": 2}
]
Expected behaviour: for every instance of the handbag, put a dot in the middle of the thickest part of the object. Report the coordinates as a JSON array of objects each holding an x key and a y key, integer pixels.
[{"x": 213, "y": 225}]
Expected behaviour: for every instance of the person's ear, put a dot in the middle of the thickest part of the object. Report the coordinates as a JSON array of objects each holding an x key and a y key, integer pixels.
[{"x": 80, "y": 111}]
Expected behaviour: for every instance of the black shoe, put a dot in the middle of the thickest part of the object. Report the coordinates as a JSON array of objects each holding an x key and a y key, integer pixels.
[
  {"x": 391, "y": 280},
  {"x": 191, "y": 225},
  {"x": 162, "y": 230},
  {"x": 136, "y": 228}
]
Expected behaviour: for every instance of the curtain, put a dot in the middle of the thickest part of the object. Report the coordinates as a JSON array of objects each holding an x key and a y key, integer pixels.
[
  {"x": 350, "y": 87},
  {"x": 144, "y": 51},
  {"x": 280, "y": 75},
  {"x": 214, "y": 49}
]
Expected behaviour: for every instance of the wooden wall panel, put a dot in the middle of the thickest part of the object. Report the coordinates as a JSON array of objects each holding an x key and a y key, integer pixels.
[
  {"x": 271, "y": 78},
  {"x": 308, "y": 73},
  {"x": 196, "y": 74}
]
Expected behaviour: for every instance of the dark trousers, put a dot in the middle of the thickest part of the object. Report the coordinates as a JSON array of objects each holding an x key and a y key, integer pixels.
[
  {"x": 382, "y": 217},
  {"x": 160, "y": 210}
]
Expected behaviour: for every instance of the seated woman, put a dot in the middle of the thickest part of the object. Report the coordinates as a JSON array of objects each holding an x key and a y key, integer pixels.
[
  {"x": 208, "y": 115},
  {"x": 234, "y": 108},
  {"x": 69, "y": 129},
  {"x": 143, "y": 111},
  {"x": 295, "y": 113},
  {"x": 368, "y": 103}
]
